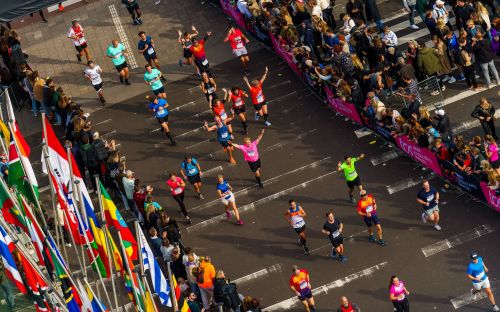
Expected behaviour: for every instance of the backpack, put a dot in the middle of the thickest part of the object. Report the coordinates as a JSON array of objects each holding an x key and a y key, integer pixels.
[
  {"x": 200, "y": 278},
  {"x": 88, "y": 156}
]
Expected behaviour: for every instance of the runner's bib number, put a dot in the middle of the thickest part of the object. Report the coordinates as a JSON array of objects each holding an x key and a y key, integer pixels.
[
  {"x": 336, "y": 234},
  {"x": 251, "y": 153},
  {"x": 192, "y": 171},
  {"x": 224, "y": 135},
  {"x": 81, "y": 41},
  {"x": 298, "y": 222},
  {"x": 178, "y": 190},
  {"x": 223, "y": 116},
  {"x": 369, "y": 209},
  {"x": 151, "y": 51},
  {"x": 239, "y": 44},
  {"x": 480, "y": 275},
  {"x": 260, "y": 97},
  {"x": 117, "y": 55},
  {"x": 238, "y": 102},
  {"x": 303, "y": 285},
  {"x": 204, "y": 62}
]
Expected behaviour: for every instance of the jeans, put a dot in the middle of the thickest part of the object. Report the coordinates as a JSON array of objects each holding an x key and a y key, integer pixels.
[
  {"x": 34, "y": 106},
  {"x": 491, "y": 66},
  {"x": 7, "y": 292},
  {"x": 206, "y": 296},
  {"x": 411, "y": 15}
]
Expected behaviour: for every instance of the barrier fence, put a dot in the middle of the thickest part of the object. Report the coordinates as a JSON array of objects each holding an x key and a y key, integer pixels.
[{"x": 470, "y": 184}]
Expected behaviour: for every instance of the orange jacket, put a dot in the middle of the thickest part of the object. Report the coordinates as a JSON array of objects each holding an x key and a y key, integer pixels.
[{"x": 208, "y": 274}]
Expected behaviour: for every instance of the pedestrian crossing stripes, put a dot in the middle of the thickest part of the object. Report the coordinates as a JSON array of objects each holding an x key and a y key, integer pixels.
[
  {"x": 468, "y": 298},
  {"x": 258, "y": 274}
]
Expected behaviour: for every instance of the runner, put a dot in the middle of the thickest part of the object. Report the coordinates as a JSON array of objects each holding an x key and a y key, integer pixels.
[
  {"x": 333, "y": 227},
  {"x": 301, "y": 286},
  {"x": 251, "y": 154},
  {"x": 222, "y": 135},
  {"x": 227, "y": 197},
  {"x": 77, "y": 34},
  {"x": 199, "y": 54},
  {"x": 258, "y": 99},
  {"x": 346, "y": 306},
  {"x": 219, "y": 111},
  {"x": 134, "y": 10},
  {"x": 350, "y": 173},
  {"x": 117, "y": 52},
  {"x": 159, "y": 107},
  {"x": 177, "y": 186},
  {"x": 429, "y": 198},
  {"x": 476, "y": 272},
  {"x": 398, "y": 295},
  {"x": 367, "y": 208},
  {"x": 152, "y": 77},
  {"x": 236, "y": 38},
  {"x": 93, "y": 74},
  {"x": 146, "y": 46},
  {"x": 236, "y": 95},
  {"x": 208, "y": 87},
  {"x": 191, "y": 170},
  {"x": 185, "y": 41},
  {"x": 295, "y": 216}
]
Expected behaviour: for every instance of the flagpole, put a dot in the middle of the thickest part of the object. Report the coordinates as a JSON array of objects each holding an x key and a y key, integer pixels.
[
  {"x": 172, "y": 288},
  {"x": 89, "y": 247},
  {"x": 125, "y": 263},
  {"x": 141, "y": 264},
  {"x": 93, "y": 294},
  {"x": 37, "y": 203},
  {"x": 106, "y": 240}
]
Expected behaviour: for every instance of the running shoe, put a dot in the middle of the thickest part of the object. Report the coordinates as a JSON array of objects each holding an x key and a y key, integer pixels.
[
  {"x": 334, "y": 254},
  {"x": 307, "y": 251},
  {"x": 424, "y": 219},
  {"x": 78, "y": 57},
  {"x": 381, "y": 242},
  {"x": 414, "y": 27},
  {"x": 257, "y": 117},
  {"x": 437, "y": 227},
  {"x": 372, "y": 239},
  {"x": 188, "y": 220},
  {"x": 139, "y": 21},
  {"x": 353, "y": 200},
  {"x": 496, "y": 308},
  {"x": 180, "y": 63},
  {"x": 136, "y": 22},
  {"x": 127, "y": 82},
  {"x": 228, "y": 214},
  {"x": 452, "y": 80},
  {"x": 239, "y": 222},
  {"x": 473, "y": 294},
  {"x": 445, "y": 78},
  {"x": 200, "y": 196},
  {"x": 435, "y": 92},
  {"x": 342, "y": 258},
  {"x": 267, "y": 123},
  {"x": 157, "y": 2}
]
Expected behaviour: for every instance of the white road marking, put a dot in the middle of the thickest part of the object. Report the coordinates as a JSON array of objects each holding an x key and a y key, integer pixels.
[
  {"x": 393, "y": 16},
  {"x": 251, "y": 206},
  {"x": 187, "y": 104},
  {"x": 390, "y": 155},
  {"x": 283, "y": 143},
  {"x": 266, "y": 182},
  {"x": 195, "y": 130},
  {"x": 258, "y": 274},
  {"x": 102, "y": 122},
  {"x": 330, "y": 245},
  {"x": 417, "y": 34},
  {"x": 466, "y": 299},
  {"x": 406, "y": 24},
  {"x": 287, "y": 304},
  {"x": 407, "y": 183},
  {"x": 362, "y": 132},
  {"x": 458, "y": 239},
  {"x": 108, "y": 134},
  {"x": 466, "y": 125},
  {"x": 199, "y": 143},
  {"x": 210, "y": 171},
  {"x": 279, "y": 84},
  {"x": 123, "y": 36}
]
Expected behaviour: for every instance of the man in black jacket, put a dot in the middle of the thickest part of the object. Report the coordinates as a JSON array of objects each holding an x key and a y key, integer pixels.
[
  {"x": 442, "y": 124},
  {"x": 485, "y": 57},
  {"x": 463, "y": 13}
]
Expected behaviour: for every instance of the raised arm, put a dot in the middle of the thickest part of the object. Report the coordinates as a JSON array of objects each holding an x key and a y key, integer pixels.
[
  {"x": 360, "y": 157},
  {"x": 209, "y": 128},
  {"x": 226, "y": 94},
  {"x": 263, "y": 78},
  {"x": 245, "y": 78},
  {"x": 194, "y": 33},
  {"x": 260, "y": 135},
  {"x": 180, "y": 36}
]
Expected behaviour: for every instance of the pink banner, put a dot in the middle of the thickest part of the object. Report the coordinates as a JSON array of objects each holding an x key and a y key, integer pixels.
[
  {"x": 345, "y": 109},
  {"x": 491, "y": 197},
  {"x": 422, "y": 155},
  {"x": 234, "y": 13},
  {"x": 285, "y": 55}
]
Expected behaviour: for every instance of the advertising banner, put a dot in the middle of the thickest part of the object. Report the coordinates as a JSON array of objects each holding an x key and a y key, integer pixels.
[
  {"x": 466, "y": 182},
  {"x": 491, "y": 198},
  {"x": 233, "y": 12},
  {"x": 345, "y": 109},
  {"x": 284, "y": 54},
  {"x": 419, "y": 154}
]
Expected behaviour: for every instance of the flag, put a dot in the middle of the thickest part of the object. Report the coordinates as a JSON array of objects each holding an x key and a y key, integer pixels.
[
  {"x": 37, "y": 285},
  {"x": 181, "y": 300},
  {"x": 99, "y": 238},
  {"x": 66, "y": 285},
  {"x": 5, "y": 133},
  {"x": 117, "y": 257},
  {"x": 90, "y": 303},
  {"x": 34, "y": 231},
  {"x": 149, "y": 305},
  {"x": 6, "y": 248},
  {"x": 131, "y": 282},
  {"x": 9, "y": 211},
  {"x": 21, "y": 173},
  {"x": 161, "y": 286},
  {"x": 114, "y": 218},
  {"x": 97, "y": 305}
]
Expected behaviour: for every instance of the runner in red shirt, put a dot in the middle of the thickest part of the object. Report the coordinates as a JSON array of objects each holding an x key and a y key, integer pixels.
[
  {"x": 258, "y": 99},
  {"x": 236, "y": 38},
  {"x": 219, "y": 111},
  {"x": 236, "y": 96},
  {"x": 199, "y": 54},
  {"x": 177, "y": 185},
  {"x": 300, "y": 285}
]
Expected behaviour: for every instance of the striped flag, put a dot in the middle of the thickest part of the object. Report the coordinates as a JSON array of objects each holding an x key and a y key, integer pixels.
[
  {"x": 5, "y": 133},
  {"x": 70, "y": 295},
  {"x": 181, "y": 300},
  {"x": 98, "y": 234},
  {"x": 90, "y": 303},
  {"x": 34, "y": 231},
  {"x": 161, "y": 286},
  {"x": 36, "y": 284},
  {"x": 6, "y": 248}
]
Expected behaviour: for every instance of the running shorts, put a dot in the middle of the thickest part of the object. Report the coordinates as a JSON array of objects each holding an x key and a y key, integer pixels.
[
  {"x": 81, "y": 47},
  {"x": 305, "y": 295},
  {"x": 224, "y": 144},
  {"x": 429, "y": 212},
  {"x": 373, "y": 219},
  {"x": 239, "y": 110},
  {"x": 159, "y": 91},
  {"x": 132, "y": 8},
  {"x": 300, "y": 229},
  {"x": 194, "y": 179},
  {"x": 254, "y": 165},
  {"x": 162, "y": 119},
  {"x": 258, "y": 107},
  {"x": 187, "y": 53},
  {"x": 482, "y": 284},
  {"x": 337, "y": 241},
  {"x": 122, "y": 66},
  {"x": 353, "y": 183},
  {"x": 98, "y": 87},
  {"x": 150, "y": 57},
  {"x": 240, "y": 52},
  {"x": 228, "y": 198}
]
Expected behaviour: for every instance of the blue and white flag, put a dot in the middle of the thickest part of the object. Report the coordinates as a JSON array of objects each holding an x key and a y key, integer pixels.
[
  {"x": 6, "y": 248},
  {"x": 161, "y": 286}
]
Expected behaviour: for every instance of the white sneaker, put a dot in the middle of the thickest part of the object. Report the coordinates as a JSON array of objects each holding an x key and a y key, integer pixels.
[
  {"x": 445, "y": 78},
  {"x": 267, "y": 123},
  {"x": 452, "y": 80},
  {"x": 443, "y": 88},
  {"x": 435, "y": 92},
  {"x": 257, "y": 116},
  {"x": 424, "y": 219},
  {"x": 473, "y": 294},
  {"x": 157, "y": 2},
  {"x": 496, "y": 308},
  {"x": 437, "y": 227},
  {"x": 414, "y": 27},
  {"x": 68, "y": 244}
]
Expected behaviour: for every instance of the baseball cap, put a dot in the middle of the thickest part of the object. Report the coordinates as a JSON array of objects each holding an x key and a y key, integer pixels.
[
  {"x": 439, "y": 112},
  {"x": 362, "y": 193},
  {"x": 439, "y": 2},
  {"x": 474, "y": 256}
]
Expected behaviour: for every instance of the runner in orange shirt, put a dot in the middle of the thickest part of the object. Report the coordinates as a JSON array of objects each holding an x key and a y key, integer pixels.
[
  {"x": 367, "y": 208},
  {"x": 258, "y": 98},
  {"x": 300, "y": 285}
]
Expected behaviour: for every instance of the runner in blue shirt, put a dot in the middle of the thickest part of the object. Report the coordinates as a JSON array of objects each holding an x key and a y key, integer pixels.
[
  {"x": 147, "y": 47},
  {"x": 117, "y": 52},
  {"x": 159, "y": 107},
  {"x": 227, "y": 198},
  {"x": 191, "y": 170},
  {"x": 476, "y": 272},
  {"x": 223, "y": 135},
  {"x": 429, "y": 198},
  {"x": 152, "y": 77}
]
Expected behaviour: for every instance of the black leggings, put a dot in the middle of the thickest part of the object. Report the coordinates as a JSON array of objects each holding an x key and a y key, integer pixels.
[
  {"x": 402, "y": 306},
  {"x": 179, "y": 198}
]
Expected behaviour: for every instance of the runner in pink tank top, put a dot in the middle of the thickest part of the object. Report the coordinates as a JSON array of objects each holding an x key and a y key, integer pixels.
[{"x": 251, "y": 155}]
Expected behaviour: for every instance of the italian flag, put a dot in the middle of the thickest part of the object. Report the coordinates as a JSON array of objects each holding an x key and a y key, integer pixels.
[{"x": 20, "y": 171}]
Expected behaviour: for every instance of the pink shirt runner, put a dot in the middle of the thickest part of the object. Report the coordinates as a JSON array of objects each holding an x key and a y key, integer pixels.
[
  {"x": 251, "y": 153},
  {"x": 175, "y": 186},
  {"x": 398, "y": 291}
]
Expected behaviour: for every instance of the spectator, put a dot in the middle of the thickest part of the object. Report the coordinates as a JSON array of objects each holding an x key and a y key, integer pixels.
[
  {"x": 346, "y": 306},
  {"x": 176, "y": 265},
  {"x": 491, "y": 149},
  {"x": 166, "y": 250},
  {"x": 191, "y": 262},
  {"x": 442, "y": 124},
  {"x": 464, "y": 59},
  {"x": 156, "y": 242},
  {"x": 477, "y": 161},
  {"x": 205, "y": 278},
  {"x": 4, "y": 167},
  {"x": 428, "y": 61},
  {"x": 442, "y": 52},
  {"x": 355, "y": 9},
  {"x": 128, "y": 187},
  {"x": 90, "y": 160},
  {"x": 485, "y": 57},
  {"x": 193, "y": 303},
  {"x": 485, "y": 112}
]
